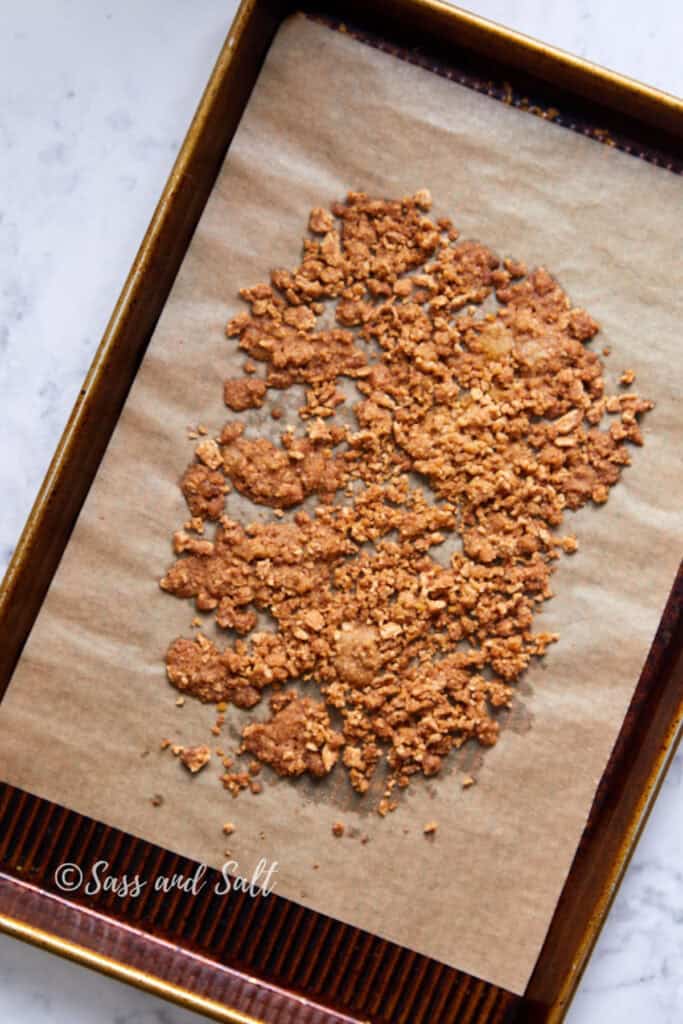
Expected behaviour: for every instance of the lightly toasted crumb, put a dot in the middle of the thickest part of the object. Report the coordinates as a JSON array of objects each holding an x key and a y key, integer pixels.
[
  {"x": 228, "y": 828},
  {"x": 430, "y": 828}
]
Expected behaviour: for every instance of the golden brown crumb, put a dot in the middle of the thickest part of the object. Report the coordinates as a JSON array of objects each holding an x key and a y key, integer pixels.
[
  {"x": 204, "y": 490},
  {"x": 228, "y": 828},
  {"x": 165, "y": 743},
  {"x": 195, "y": 758},
  {"x": 627, "y": 378},
  {"x": 430, "y": 828},
  {"x": 297, "y": 738},
  {"x": 244, "y": 393},
  {"x": 177, "y": 749},
  {"x": 235, "y": 782},
  {"x": 423, "y": 198},
  {"x": 467, "y": 782},
  {"x": 338, "y": 829}
]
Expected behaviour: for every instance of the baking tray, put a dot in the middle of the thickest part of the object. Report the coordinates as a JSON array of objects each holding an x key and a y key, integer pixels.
[{"x": 236, "y": 958}]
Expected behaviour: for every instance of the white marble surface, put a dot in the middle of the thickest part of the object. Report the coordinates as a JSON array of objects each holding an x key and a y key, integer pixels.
[{"x": 94, "y": 100}]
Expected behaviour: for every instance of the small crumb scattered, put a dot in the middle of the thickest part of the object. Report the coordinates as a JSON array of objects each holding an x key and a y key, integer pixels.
[
  {"x": 195, "y": 758},
  {"x": 228, "y": 828},
  {"x": 467, "y": 782},
  {"x": 235, "y": 782},
  {"x": 338, "y": 829},
  {"x": 157, "y": 800},
  {"x": 180, "y": 702},
  {"x": 627, "y": 378},
  {"x": 430, "y": 828}
]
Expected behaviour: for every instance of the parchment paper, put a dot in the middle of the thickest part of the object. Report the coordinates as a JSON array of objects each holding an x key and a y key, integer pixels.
[{"x": 89, "y": 696}]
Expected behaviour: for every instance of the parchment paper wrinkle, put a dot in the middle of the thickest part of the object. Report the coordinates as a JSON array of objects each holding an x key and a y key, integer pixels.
[{"x": 89, "y": 696}]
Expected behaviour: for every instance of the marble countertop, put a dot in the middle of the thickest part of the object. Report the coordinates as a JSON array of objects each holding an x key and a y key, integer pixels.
[{"x": 94, "y": 102}]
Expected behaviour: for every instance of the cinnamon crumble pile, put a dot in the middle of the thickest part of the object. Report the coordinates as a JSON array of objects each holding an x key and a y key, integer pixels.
[{"x": 469, "y": 428}]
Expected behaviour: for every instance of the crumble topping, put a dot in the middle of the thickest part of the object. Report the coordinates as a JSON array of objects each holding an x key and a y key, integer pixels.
[
  {"x": 481, "y": 427},
  {"x": 195, "y": 758}
]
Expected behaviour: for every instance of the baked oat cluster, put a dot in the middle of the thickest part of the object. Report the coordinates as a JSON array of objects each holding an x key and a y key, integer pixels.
[{"x": 474, "y": 427}]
